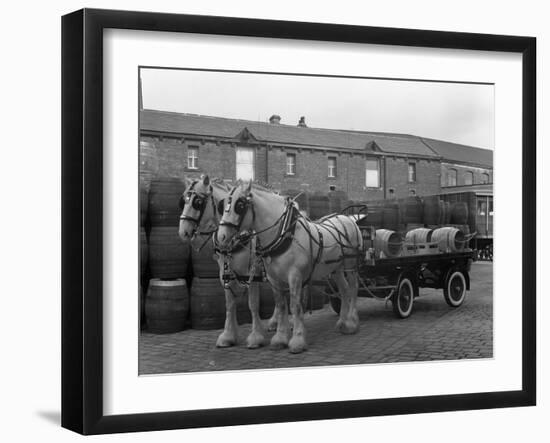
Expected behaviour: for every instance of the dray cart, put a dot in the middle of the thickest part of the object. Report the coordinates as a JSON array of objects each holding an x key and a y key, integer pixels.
[{"x": 399, "y": 279}]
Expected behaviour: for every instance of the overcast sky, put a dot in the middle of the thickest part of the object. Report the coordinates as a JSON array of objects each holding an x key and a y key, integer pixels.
[{"x": 460, "y": 113}]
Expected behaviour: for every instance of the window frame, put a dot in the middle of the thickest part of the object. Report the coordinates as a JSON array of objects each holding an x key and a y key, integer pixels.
[
  {"x": 452, "y": 173},
  {"x": 290, "y": 155},
  {"x": 471, "y": 175},
  {"x": 379, "y": 181},
  {"x": 253, "y": 151},
  {"x": 190, "y": 150},
  {"x": 329, "y": 159},
  {"x": 413, "y": 180}
]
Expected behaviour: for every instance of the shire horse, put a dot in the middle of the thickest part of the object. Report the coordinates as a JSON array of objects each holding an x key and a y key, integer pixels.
[
  {"x": 200, "y": 217},
  {"x": 295, "y": 251}
]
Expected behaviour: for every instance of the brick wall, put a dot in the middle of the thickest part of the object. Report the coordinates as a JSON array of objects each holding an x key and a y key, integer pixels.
[
  {"x": 218, "y": 160},
  {"x": 461, "y": 173},
  {"x": 427, "y": 176}
]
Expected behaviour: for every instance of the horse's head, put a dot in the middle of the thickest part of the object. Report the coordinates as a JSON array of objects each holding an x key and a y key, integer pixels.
[
  {"x": 237, "y": 214},
  {"x": 198, "y": 209}
]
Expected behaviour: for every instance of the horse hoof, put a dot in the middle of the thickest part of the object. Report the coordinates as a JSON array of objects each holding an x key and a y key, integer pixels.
[
  {"x": 278, "y": 342},
  {"x": 254, "y": 341},
  {"x": 347, "y": 327},
  {"x": 297, "y": 345},
  {"x": 225, "y": 341}
]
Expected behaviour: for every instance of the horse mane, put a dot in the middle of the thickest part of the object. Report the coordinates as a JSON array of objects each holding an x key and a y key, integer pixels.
[
  {"x": 220, "y": 183},
  {"x": 263, "y": 185}
]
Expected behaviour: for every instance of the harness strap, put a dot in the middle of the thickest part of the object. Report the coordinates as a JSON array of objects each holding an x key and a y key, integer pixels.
[
  {"x": 284, "y": 236},
  {"x": 317, "y": 257}
]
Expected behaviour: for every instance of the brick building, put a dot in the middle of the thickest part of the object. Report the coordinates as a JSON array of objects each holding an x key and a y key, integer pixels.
[{"x": 366, "y": 165}]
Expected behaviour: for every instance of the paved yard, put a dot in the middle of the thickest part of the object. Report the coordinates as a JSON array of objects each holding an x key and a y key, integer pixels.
[{"x": 433, "y": 332}]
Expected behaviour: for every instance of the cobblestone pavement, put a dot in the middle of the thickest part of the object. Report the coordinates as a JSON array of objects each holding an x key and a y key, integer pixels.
[{"x": 433, "y": 332}]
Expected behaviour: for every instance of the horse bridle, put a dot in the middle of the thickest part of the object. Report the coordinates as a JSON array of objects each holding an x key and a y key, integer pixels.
[
  {"x": 241, "y": 208},
  {"x": 198, "y": 201}
]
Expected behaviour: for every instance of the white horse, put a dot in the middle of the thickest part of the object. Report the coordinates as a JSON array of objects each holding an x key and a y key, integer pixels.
[
  {"x": 200, "y": 216},
  {"x": 295, "y": 251}
]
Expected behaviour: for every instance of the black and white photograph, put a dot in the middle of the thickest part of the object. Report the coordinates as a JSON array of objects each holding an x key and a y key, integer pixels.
[{"x": 290, "y": 220}]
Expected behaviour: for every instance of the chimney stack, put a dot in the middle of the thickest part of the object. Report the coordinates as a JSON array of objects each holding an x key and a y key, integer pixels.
[
  {"x": 302, "y": 122},
  {"x": 275, "y": 119}
]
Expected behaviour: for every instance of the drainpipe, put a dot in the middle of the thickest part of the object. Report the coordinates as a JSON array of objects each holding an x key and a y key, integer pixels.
[{"x": 385, "y": 177}]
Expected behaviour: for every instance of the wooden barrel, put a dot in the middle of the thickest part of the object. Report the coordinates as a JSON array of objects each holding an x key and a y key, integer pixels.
[
  {"x": 164, "y": 197},
  {"x": 441, "y": 220},
  {"x": 148, "y": 163},
  {"x": 419, "y": 235},
  {"x": 267, "y": 301},
  {"x": 302, "y": 198},
  {"x": 318, "y": 206},
  {"x": 459, "y": 213},
  {"x": 337, "y": 201},
  {"x": 166, "y": 305},
  {"x": 375, "y": 214},
  {"x": 142, "y": 316},
  {"x": 205, "y": 265},
  {"x": 387, "y": 242},
  {"x": 143, "y": 202},
  {"x": 449, "y": 239},
  {"x": 143, "y": 251},
  {"x": 168, "y": 255},
  {"x": 412, "y": 210},
  {"x": 447, "y": 219},
  {"x": 432, "y": 210},
  {"x": 207, "y": 303},
  {"x": 391, "y": 215},
  {"x": 148, "y": 169}
]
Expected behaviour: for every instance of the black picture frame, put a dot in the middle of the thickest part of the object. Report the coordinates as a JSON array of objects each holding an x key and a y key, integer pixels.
[{"x": 82, "y": 215}]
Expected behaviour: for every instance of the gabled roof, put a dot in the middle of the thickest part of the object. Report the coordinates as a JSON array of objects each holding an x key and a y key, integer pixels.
[
  {"x": 455, "y": 152},
  {"x": 209, "y": 126}
]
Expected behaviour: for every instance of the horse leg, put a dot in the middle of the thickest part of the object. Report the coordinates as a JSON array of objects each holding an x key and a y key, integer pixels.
[
  {"x": 298, "y": 342},
  {"x": 343, "y": 324},
  {"x": 281, "y": 337},
  {"x": 256, "y": 337},
  {"x": 272, "y": 322},
  {"x": 229, "y": 335},
  {"x": 353, "y": 318}
]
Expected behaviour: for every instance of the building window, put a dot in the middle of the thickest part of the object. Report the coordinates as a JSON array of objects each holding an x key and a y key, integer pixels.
[
  {"x": 412, "y": 172},
  {"x": 484, "y": 178},
  {"x": 372, "y": 175},
  {"x": 193, "y": 158},
  {"x": 291, "y": 164},
  {"x": 469, "y": 178},
  {"x": 481, "y": 207},
  {"x": 245, "y": 163},
  {"x": 332, "y": 167},
  {"x": 451, "y": 177}
]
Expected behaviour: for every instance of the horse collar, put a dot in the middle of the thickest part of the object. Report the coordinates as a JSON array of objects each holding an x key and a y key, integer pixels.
[{"x": 285, "y": 234}]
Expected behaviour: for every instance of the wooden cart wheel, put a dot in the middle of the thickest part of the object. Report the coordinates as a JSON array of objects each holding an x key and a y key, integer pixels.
[
  {"x": 455, "y": 288},
  {"x": 402, "y": 299}
]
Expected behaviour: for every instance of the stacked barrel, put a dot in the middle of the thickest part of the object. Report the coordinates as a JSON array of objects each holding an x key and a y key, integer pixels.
[
  {"x": 148, "y": 168},
  {"x": 408, "y": 225},
  {"x": 167, "y": 300}
]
